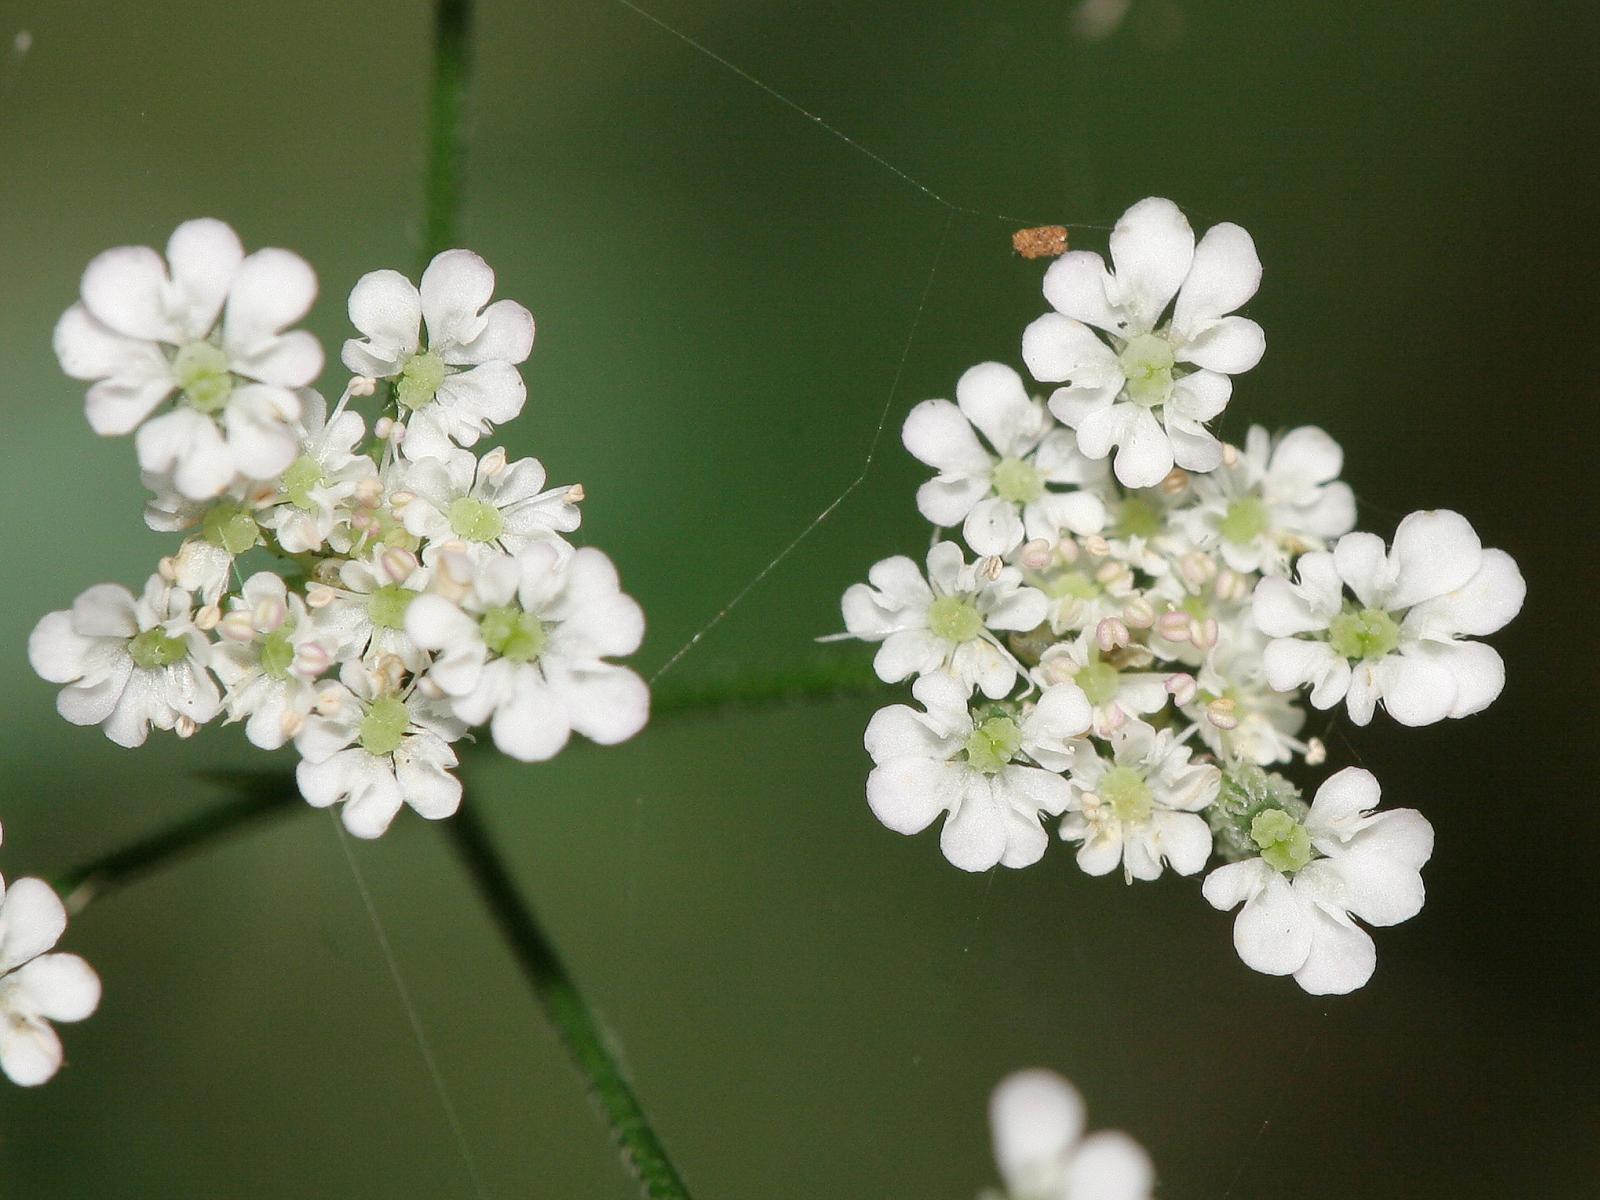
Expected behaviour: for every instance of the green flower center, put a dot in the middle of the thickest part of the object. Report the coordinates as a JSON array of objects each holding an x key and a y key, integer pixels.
[
  {"x": 419, "y": 380},
  {"x": 1285, "y": 845},
  {"x": 954, "y": 619},
  {"x": 512, "y": 633},
  {"x": 1138, "y": 518},
  {"x": 230, "y": 526},
  {"x": 1073, "y": 584},
  {"x": 993, "y": 744},
  {"x": 384, "y": 727},
  {"x": 1099, "y": 682},
  {"x": 201, "y": 370},
  {"x": 1245, "y": 520},
  {"x": 304, "y": 474},
  {"x": 1147, "y": 363},
  {"x": 153, "y": 649},
  {"x": 1369, "y": 633},
  {"x": 387, "y": 606},
  {"x": 277, "y": 653},
  {"x": 1128, "y": 794},
  {"x": 474, "y": 520},
  {"x": 1017, "y": 481}
]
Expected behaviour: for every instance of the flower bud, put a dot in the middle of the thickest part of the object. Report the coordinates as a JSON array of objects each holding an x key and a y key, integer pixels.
[
  {"x": 1036, "y": 554},
  {"x": 206, "y": 619},
  {"x": 311, "y": 659},
  {"x": 493, "y": 463},
  {"x": 1111, "y": 634},
  {"x": 1316, "y": 752},
  {"x": 1175, "y": 481},
  {"x": 398, "y": 563},
  {"x": 362, "y": 385},
  {"x": 185, "y": 727},
  {"x": 270, "y": 615},
  {"x": 1097, "y": 546},
  {"x": 1220, "y": 712},
  {"x": 1139, "y": 613},
  {"x": 1182, "y": 687},
  {"x": 237, "y": 626},
  {"x": 1174, "y": 626}
]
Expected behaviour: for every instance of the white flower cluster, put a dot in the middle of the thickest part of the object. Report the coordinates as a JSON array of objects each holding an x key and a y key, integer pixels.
[
  {"x": 1036, "y": 1119},
  {"x": 365, "y": 595},
  {"x": 36, "y": 986},
  {"x": 1128, "y": 645}
]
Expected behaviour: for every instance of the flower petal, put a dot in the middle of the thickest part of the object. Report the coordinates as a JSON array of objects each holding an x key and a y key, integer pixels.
[
  {"x": 1036, "y": 1118},
  {"x": 1225, "y": 273},
  {"x": 1435, "y": 552},
  {"x": 1152, "y": 248},
  {"x": 454, "y": 289}
]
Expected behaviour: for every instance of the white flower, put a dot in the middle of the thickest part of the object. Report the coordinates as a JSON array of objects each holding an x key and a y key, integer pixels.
[
  {"x": 1003, "y": 496},
  {"x": 1037, "y": 1119},
  {"x": 128, "y": 663},
  {"x": 1279, "y": 499},
  {"x": 1297, "y": 906},
  {"x": 268, "y": 659},
  {"x": 1139, "y": 806},
  {"x": 465, "y": 380},
  {"x": 314, "y": 492},
  {"x": 980, "y": 772},
  {"x": 1237, "y": 713},
  {"x": 364, "y": 614},
  {"x": 525, "y": 648},
  {"x": 1400, "y": 640},
  {"x": 1114, "y": 692},
  {"x": 1135, "y": 393},
  {"x": 373, "y": 750},
  {"x": 945, "y": 622},
  {"x": 147, "y": 328},
  {"x": 489, "y": 503},
  {"x": 37, "y": 987}
]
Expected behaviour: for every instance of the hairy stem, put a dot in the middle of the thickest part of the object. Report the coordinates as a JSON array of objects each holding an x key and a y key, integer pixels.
[{"x": 586, "y": 1040}]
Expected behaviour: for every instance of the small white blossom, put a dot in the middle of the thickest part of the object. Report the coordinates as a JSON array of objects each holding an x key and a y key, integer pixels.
[
  {"x": 1115, "y": 692},
  {"x": 146, "y": 328},
  {"x": 364, "y": 613},
  {"x": 1037, "y": 1119},
  {"x": 490, "y": 503},
  {"x": 1001, "y": 496},
  {"x": 269, "y": 656},
  {"x": 315, "y": 490},
  {"x": 1400, "y": 640},
  {"x": 373, "y": 751},
  {"x": 1151, "y": 390},
  {"x": 128, "y": 663},
  {"x": 946, "y": 622},
  {"x": 1139, "y": 806},
  {"x": 993, "y": 777},
  {"x": 1343, "y": 860},
  {"x": 464, "y": 381},
  {"x": 37, "y": 987},
  {"x": 524, "y": 649},
  {"x": 1239, "y": 715},
  {"x": 1280, "y": 498}
]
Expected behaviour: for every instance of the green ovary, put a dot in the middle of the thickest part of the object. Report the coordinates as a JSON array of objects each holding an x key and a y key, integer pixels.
[
  {"x": 1017, "y": 481},
  {"x": 419, "y": 380},
  {"x": 993, "y": 744},
  {"x": 954, "y": 619},
  {"x": 153, "y": 649},
  {"x": 512, "y": 633},
  {"x": 277, "y": 653},
  {"x": 1072, "y": 584},
  {"x": 201, "y": 370},
  {"x": 1285, "y": 845},
  {"x": 230, "y": 527},
  {"x": 1125, "y": 790},
  {"x": 1138, "y": 518},
  {"x": 304, "y": 474},
  {"x": 474, "y": 520},
  {"x": 1369, "y": 633},
  {"x": 387, "y": 606},
  {"x": 1099, "y": 682},
  {"x": 1147, "y": 364},
  {"x": 1245, "y": 521},
  {"x": 384, "y": 727}
]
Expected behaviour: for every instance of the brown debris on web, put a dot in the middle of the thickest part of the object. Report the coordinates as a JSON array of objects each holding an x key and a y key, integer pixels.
[{"x": 1042, "y": 241}]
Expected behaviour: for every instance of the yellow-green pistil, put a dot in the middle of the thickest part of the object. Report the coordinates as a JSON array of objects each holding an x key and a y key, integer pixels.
[
  {"x": 954, "y": 619},
  {"x": 387, "y": 606},
  {"x": 201, "y": 370},
  {"x": 1284, "y": 843},
  {"x": 1364, "y": 633},
  {"x": 230, "y": 526},
  {"x": 475, "y": 521},
  {"x": 384, "y": 727},
  {"x": 993, "y": 744},
  {"x": 153, "y": 649},
  {"x": 304, "y": 474},
  {"x": 1139, "y": 518},
  {"x": 512, "y": 633},
  {"x": 277, "y": 653},
  {"x": 1099, "y": 682},
  {"x": 1017, "y": 481},
  {"x": 1245, "y": 520},
  {"x": 1147, "y": 364},
  {"x": 1129, "y": 796},
  {"x": 419, "y": 380}
]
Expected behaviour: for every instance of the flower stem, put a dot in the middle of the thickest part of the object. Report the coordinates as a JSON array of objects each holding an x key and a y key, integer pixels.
[
  {"x": 585, "y": 1038},
  {"x": 447, "y": 115}
]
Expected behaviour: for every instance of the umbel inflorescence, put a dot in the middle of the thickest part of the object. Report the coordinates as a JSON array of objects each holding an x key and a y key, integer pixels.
[{"x": 1140, "y": 613}]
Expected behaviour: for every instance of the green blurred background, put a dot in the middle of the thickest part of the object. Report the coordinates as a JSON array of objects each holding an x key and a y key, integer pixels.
[{"x": 811, "y": 1005}]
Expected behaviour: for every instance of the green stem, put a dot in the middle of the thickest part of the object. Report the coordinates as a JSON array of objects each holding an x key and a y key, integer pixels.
[
  {"x": 586, "y": 1040},
  {"x": 447, "y": 116}
]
